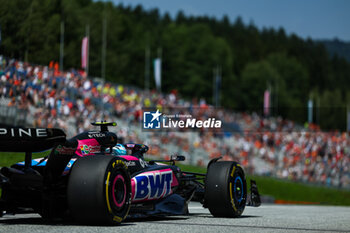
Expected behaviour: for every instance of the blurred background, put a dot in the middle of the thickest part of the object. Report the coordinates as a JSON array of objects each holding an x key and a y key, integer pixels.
[{"x": 278, "y": 73}]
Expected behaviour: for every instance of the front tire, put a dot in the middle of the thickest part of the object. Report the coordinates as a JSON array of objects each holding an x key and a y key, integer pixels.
[
  {"x": 225, "y": 189},
  {"x": 99, "y": 190}
]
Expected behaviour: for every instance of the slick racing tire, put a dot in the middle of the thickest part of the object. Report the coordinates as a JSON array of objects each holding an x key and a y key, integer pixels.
[
  {"x": 225, "y": 189},
  {"x": 99, "y": 190}
]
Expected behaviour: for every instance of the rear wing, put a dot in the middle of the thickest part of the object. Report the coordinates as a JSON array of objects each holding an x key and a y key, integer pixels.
[{"x": 29, "y": 140}]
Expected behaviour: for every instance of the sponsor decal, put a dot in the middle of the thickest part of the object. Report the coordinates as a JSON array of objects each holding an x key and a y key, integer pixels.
[
  {"x": 130, "y": 163},
  {"x": 65, "y": 150},
  {"x": 96, "y": 135},
  {"x": 87, "y": 149},
  {"x": 142, "y": 163},
  {"x": 87, "y": 146},
  {"x": 20, "y": 132},
  {"x": 129, "y": 146},
  {"x": 70, "y": 164},
  {"x": 152, "y": 185},
  {"x": 117, "y": 219},
  {"x": 115, "y": 163}
]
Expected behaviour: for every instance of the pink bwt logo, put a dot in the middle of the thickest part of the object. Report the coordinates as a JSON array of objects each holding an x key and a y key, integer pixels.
[{"x": 152, "y": 185}]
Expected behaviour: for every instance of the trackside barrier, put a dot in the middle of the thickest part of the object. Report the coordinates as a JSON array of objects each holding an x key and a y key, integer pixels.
[{"x": 13, "y": 116}]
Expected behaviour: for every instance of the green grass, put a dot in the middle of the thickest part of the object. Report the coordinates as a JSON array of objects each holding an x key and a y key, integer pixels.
[
  {"x": 292, "y": 191},
  {"x": 279, "y": 189},
  {"x": 9, "y": 158},
  {"x": 190, "y": 168}
]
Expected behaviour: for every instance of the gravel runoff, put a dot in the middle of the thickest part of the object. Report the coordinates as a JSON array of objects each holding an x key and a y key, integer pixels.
[{"x": 267, "y": 218}]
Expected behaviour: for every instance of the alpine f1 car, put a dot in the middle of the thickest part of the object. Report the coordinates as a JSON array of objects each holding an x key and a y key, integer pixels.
[{"x": 84, "y": 179}]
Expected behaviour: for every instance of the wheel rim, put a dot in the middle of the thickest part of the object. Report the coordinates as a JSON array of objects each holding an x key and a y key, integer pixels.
[
  {"x": 119, "y": 191},
  {"x": 238, "y": 189}
]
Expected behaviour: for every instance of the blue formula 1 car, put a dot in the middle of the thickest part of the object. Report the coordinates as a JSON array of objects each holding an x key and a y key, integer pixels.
[{"x": 83, "y": 179}]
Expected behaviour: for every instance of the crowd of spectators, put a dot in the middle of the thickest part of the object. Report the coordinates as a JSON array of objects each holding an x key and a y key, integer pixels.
[{"x": 267, "y": 146}]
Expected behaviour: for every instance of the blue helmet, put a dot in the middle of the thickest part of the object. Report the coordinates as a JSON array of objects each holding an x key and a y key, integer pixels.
[{"x": 119, "y": 149}]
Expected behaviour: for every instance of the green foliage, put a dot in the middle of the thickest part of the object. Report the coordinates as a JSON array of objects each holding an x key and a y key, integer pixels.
[
  {"x": 255, "y": 79},
  {"x": 251, "y": 60},
  {"x": 332, "y": 111},
  {"x": 337, "y": 48},
  {"x": 190, "y": 54}
]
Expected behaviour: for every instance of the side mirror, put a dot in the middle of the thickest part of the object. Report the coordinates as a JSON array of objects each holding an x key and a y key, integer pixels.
[{"x": 178, "y": 158}]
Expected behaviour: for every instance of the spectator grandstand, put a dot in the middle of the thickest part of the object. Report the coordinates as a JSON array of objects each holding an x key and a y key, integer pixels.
[{"x": 43, "y": 96}]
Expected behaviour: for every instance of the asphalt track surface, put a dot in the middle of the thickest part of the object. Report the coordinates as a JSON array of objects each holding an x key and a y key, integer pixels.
[{"x": 267, "y": 218}]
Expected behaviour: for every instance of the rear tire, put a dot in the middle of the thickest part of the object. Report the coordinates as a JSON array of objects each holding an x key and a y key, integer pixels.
[
  {"x": 225, "y": 189},
  {"x": 99, "y": 190}
]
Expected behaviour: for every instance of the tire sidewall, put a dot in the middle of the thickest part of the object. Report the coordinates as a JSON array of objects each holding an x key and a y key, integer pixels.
[
  {"x": 237, "y": 173},
  {"x": 116, "y": 168},
  {"x": 90, "y": 190},
  {"x": 220, "y": 196}
]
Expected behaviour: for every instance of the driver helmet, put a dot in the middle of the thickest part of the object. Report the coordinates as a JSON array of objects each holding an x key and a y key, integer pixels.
[{"x": 119, "y": 149}]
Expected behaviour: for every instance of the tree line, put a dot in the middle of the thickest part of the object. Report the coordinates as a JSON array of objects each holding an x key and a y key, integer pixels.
[{"x": 251, "y": 60}]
